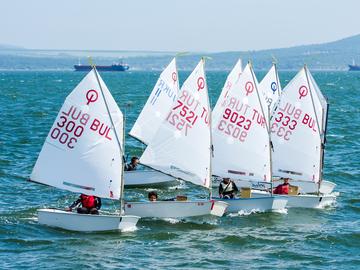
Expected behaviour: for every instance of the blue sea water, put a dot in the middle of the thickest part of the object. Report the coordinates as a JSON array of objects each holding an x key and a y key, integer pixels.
[{"x": 302, "y": 238}]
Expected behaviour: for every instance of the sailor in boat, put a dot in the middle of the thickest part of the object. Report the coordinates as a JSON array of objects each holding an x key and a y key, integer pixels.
[
  {"x": 152, "y": 196},
  {"x": 89, "y": 204},
  {"x": 282, "y": 188},
  {"x": 132, "y": 166},
  {"x": 227, "y": 189}
]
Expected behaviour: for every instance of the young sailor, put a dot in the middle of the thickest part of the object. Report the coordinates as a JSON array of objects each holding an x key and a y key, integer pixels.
[
  {"x": 282, "y": 188},
  {"x": 227, "y": 189},
  {"x": 89, "y": 204},
  {"x": 132, "y": 165},
  {"x": 152, "y": 196}
]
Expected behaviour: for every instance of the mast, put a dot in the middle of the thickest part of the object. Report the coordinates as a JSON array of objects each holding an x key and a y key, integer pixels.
[
  {"x": 210, "y": 128},
  {"x": 277, "y": 80},
  {"x": 318, "y": 127},
  {"x": 117, "y": 140}
]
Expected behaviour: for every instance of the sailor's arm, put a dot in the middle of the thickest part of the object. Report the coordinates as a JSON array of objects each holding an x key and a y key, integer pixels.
[{"x": 74, "y": 204}]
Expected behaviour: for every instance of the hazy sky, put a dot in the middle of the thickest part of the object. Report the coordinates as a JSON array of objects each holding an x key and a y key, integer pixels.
[{"x": 175, "y": 25}]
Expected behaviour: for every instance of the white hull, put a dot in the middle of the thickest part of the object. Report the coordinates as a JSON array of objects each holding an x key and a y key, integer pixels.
[
  {"x": 176, "y": 209},
  {"x": 84, "y": 222},
  {"x": 260, "y": 204},
  {"x": 303, "y": 200},
  {"x": 147, "y": 178},
  {"x": 155, "y": 178},
  {"x": 326, "y": 187}
]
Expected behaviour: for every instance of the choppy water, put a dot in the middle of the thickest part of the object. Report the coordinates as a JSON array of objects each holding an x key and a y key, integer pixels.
[{"x": 312, "y": 239}]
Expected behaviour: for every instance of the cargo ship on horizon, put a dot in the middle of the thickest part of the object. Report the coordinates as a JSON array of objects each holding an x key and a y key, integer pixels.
[
  {"x": 354, "y": 67},
  {"x": 114, "y": 67}
]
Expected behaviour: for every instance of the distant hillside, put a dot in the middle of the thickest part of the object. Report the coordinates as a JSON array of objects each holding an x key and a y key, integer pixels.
[
  {"x": 333, "y": 55},
  {"x": 327, "y": 56}
]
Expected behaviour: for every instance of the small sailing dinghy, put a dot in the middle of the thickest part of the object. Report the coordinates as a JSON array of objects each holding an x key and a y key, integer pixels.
[
  {"x": 152, "y": 115},
  {"x": 181, "y": 148},
  {"x": 242, "y": 142},
  {"x": 298, "y": 129},
  {"x": 83, "y": 153},
  {"x": 271, "y": 88}
]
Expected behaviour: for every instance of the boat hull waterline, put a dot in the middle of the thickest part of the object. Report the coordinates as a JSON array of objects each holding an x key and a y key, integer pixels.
[
  {"x": 86, "y": 223},
  {"x": 303, "y": 200},
  {"x": 261, "y": 204},
  {"x": 176, "y": 209},
  {"x": 144, "y": 178}
]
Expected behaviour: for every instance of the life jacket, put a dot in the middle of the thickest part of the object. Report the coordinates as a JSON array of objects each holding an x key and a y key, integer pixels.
[
  {"x": 227, "y": 188},
  {"x": 282, "y": 189},
  {"x": 88, "y": 201}
]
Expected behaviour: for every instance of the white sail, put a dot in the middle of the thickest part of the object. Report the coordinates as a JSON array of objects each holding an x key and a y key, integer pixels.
[
  {"x": 231, "y": 79},
  {"x": 181, "y": 145},
  {"x": 81, "y": 152},
  {"x": 323, "y": 108},
  {"x": 296, "y": 129},
  {"x": 158, "y": 104},
  {"x": 270, "y": 87},
  {"x": 240, "y": 134}
]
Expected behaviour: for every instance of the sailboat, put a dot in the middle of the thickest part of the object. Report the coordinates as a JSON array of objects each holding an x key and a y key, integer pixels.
[
  {"x": 163, "y": 95},
  {"x": 298, "y": 131},
  {"x": 83, "y": 153},
  {"x": 182, "y": 148},
  {"x": 242, "y": 141},
  {"x": 271, "y": 88}
]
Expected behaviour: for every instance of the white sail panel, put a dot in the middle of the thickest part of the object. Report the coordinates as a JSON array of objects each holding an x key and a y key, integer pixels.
[
  {"x": 181, "y": 145},
  {"x": 158, "y": 104},
  {"x": 295, "y": 133},
  {"x": 270, "y": 87},
  {"x": 231, "y": 79},
  {"x": 81, "y": 152},
  {"x": 240, "y": 134},
  {"x": 323, "y": 106}
]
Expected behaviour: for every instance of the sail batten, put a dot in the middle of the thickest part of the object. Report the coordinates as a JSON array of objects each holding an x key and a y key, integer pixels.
[{"x": 82, "y": 152}]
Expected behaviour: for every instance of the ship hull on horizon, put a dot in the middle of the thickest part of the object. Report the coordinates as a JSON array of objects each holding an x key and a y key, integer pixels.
[
  {"x": 354, "y": 68},
  {"x": 117, "y": 67}
]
